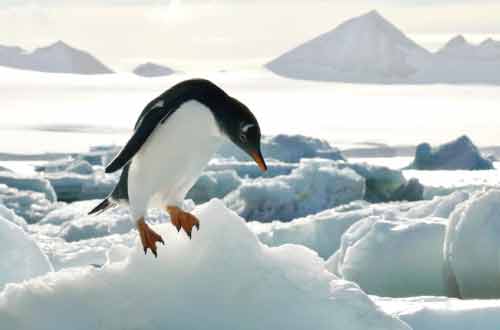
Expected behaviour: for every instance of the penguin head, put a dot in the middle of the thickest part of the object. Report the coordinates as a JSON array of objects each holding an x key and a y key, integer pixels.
[{"x": 242, "y": 128}]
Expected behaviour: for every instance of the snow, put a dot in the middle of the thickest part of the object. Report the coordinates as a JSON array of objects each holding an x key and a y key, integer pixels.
[
  {"x": 152, "y": 70},
  {"x": 312, "y": 187},
  {"x": 58, "y": 57},
  {"x": 431, "y": 313},
  {"x": 460, "y": 154},
  {"x": 179, "y": 288},
  {"x": 393, "y": 256},
  {"x": 21, "y": 258},
  {"x": 471, "y": 247}
]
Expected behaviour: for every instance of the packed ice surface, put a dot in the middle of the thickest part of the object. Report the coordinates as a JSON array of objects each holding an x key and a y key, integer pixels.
[
  {"x": 312, "y": 187},
  {"x": 58, "y": 57},
  {"x": 460, "y": 154},
  {"x": 472, "y": 265},
  {"x": 404, "y": 240},
  {"x": 256, "y": 287},
  {"x": 441, "y": 313},
  {"x": 20, "y": 257},
  {"x": 393, "y": 256}
]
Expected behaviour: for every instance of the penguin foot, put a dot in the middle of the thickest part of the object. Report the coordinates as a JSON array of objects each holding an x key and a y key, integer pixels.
[
  {"x": 184, "y": 220},
  {"x": 148, "y": 237}
]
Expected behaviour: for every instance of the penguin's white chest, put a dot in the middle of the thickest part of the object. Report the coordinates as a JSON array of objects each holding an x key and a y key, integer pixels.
[{"x": 172, "y": 159}]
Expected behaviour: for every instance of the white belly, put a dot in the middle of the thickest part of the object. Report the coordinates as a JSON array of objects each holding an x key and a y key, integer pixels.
[{"x": 172, "y": 158}]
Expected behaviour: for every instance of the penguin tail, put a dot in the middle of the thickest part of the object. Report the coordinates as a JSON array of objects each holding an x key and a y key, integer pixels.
[{"x": 103, "y": 206}]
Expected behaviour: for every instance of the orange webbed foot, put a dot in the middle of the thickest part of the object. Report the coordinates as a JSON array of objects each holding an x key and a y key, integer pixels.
[
  {"x": 184, "y": 220},
  {"x": 148, "y": 237}
]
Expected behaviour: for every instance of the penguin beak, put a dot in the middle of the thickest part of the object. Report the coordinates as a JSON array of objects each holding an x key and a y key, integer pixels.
[{"x": 257, "y": 156}]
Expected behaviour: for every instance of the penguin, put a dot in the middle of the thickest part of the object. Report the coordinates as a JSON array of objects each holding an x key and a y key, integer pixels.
[{"x": 174, "y": 137}]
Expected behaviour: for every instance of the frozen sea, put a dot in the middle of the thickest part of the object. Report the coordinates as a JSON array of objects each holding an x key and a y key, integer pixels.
[
  {"x": 329, "y": 260},
  {"x": 61, "y": 112}
]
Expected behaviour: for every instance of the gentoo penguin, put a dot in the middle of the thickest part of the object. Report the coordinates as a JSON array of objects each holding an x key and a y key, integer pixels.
[{"x": 174, "y": 138}]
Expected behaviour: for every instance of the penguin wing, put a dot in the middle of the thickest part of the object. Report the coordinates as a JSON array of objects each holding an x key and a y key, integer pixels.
[{"x": 154, "y": 114}]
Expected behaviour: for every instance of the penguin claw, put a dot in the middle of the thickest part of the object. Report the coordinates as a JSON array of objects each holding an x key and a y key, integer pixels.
[
  {"x": 184, "y": 220},
  {"x": 148, "y": 238}
]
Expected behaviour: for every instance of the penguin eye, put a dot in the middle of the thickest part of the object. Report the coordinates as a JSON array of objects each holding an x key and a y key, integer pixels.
[{"x": 243, "y": 137}]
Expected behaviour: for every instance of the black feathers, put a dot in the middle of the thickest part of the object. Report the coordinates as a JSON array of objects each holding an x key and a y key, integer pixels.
[{"x": 160, "y": 109}]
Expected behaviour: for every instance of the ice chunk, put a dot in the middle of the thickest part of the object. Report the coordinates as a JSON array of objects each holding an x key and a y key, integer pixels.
[
  {"x": 223, "y": 268},
  {"x": 30, "y": 205},
  {"x": 21, "y": 258},
  {"x": 312, "y": 187},
  {"x": 250, "y": 169},
  {"x": 460, "y": 154},
  {"x": 393, "y": 256},
  {"x": 71, "y": 187},
  {"x": 214, "y": 185},
  {"x": 80, "y": 167},
  {"x": 471, "y": 247},
  {"x": 286, "y": 148},
  {"x": 31, "y": 183}
]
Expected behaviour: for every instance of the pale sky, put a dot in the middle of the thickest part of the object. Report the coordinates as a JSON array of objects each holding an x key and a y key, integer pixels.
[{"x": 224, "y": 34}]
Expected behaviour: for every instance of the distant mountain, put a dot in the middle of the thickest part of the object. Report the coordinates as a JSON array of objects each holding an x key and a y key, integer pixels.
[
  {"x": 58, "y": 57},
  {"x": 459, "y": 47},
  {"x": 369, "y": 49},
  {"x": 364, "y": 49},
  {"x": 152, "y": 70}
]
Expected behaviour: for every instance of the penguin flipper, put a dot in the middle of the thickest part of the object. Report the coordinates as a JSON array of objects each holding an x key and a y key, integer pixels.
[
  {"x": 145, "y": 126},
  {"x": 102, "y": 206}
]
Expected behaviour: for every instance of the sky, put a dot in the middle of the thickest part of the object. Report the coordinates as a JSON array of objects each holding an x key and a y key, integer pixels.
[{"x": 223, "y": 34}]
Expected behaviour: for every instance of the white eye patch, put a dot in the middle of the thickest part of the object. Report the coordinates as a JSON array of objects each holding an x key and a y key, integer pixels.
[{"x": 245, "y": 128}]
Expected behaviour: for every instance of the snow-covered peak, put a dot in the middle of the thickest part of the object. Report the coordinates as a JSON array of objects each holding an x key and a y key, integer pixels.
[
  {"x": 152, "y": 70},
  {"x": 459, "y": 47},
  {"x": 457, "y": 41},
  {"x": 57, "y": 57},
  {"x": 367, "y": 48}
]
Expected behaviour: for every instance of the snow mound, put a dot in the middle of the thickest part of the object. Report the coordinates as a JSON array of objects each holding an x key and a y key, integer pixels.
[
  {"x": 152, "y": 70},
  {"x": 312, "y": 187},
  {"x": 34, "y": 183},
  {"x": 58, "y": 57},
  {"x": 471, "y": 247},
  {"x": 21, "y": 258},
  {"x": 286, "y": 148},
  {"x": 431, "y": 313},
  {"x": 460, "y": 154},
  {"x": 393, "y": 256},
  {"x": 223, "y": 268},
  {"x": 363, "y": 49}
]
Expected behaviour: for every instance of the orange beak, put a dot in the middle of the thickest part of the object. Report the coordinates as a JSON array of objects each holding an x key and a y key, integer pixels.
[{"x": 257, "y": 156}]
